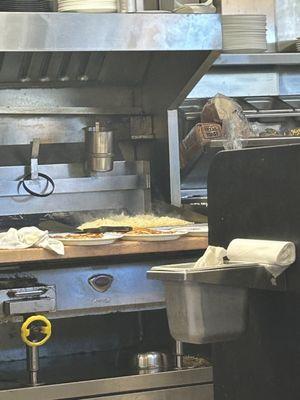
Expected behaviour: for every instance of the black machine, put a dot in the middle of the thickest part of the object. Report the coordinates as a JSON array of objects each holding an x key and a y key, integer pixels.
[{"x": 255, "y": 193}]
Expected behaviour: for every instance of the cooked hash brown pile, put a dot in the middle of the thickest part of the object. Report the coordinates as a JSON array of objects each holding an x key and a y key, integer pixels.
[{"x": 137, "y": 221}]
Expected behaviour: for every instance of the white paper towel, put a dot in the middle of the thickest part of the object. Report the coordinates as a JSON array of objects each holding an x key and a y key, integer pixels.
[{"x": 275, "y": 255}]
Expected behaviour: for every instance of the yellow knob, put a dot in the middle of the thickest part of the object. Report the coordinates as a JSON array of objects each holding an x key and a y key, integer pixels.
[{"x": 45, "y": 329}]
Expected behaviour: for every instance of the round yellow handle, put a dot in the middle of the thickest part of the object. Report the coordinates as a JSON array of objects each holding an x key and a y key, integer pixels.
[{"x": 45, "y": 329}]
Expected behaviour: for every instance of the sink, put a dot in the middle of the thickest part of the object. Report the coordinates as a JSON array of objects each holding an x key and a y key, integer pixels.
[{"x": 210, "y": 305}]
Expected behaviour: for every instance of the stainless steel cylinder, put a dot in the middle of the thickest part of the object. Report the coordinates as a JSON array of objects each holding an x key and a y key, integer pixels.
[
  {"x": 179, "y": 354},
  {"x": 33, "y": 364},
  {"x": 99, "y": 148}
]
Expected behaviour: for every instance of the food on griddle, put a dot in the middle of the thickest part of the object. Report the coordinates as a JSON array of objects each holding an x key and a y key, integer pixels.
[
  {"x": 79, "y": 236},
  {"x": 293, "y": 132},
  {"x": 195, "y": 362},
  {"x": 269, "y": 132},
  {"x": 147, "y": 231},
  {"x": 137, "y": 221}
]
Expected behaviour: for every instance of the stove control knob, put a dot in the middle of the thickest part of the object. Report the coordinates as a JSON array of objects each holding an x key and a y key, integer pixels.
[{"x": 101, "y": 282}]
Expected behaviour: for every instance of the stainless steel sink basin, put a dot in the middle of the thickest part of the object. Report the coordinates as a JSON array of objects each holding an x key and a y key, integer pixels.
[{"x": 210, "y": 305}]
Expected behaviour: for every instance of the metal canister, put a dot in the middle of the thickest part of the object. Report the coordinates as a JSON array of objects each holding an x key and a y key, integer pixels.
[
  {"x": 99, "y": 148},
  {"x": 151, "y": 362}
]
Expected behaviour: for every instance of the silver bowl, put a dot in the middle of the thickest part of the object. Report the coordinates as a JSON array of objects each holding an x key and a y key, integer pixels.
[{"x": 152, "y": 361}]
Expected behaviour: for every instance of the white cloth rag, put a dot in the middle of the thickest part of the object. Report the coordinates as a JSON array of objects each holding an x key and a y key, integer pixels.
[
  {"x": 212, "y": 257},
  {"x": 276, "y": 256},
  {"x": 30, "y": 237}
]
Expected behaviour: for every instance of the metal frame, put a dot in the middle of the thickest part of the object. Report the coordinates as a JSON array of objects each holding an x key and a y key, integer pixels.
[
  {"x": 127, "y": 185},
  {"x": 258, "y": 59},
  {"x": 279, "y": 78},
  {"x": 173, "y": 128},
  {"x": 119, "y": 386},
  {"x": 70, "y": 110},
  {"x": 245, "y": 276}
]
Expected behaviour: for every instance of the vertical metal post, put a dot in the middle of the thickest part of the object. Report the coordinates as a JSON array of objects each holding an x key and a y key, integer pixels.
[
  {"x": 34, "y": 162},
  {"x": 33, "y": 364},
  {"x": 179, "y": 354},
  {"x": 174, "y": 160}
]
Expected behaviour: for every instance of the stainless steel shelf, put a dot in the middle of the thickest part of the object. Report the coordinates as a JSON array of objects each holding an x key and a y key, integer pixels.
[
  {"x": 258, "y": 59},
  {"x": 261, "y": 141},
  {"x": 253, "y": 114},
  {"x": 69, "y": 111},
  {"x": 272, "y": 114},
  {"x": 253, "y": 107}
]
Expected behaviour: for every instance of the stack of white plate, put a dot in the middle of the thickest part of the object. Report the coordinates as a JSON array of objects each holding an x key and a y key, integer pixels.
[
  {"x": 244, "y": 33},
  {"x": 298, "y": 44},
  {"x": 101, "y": 6}
]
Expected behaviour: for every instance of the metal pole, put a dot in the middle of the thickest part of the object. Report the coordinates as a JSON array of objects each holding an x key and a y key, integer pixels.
[
  {"x": 33, "y": 364},
  {"x": 179, "y": 354}
]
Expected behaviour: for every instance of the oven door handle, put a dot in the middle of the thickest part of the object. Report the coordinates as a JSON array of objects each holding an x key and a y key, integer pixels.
[{"x": 26, "y": 293}]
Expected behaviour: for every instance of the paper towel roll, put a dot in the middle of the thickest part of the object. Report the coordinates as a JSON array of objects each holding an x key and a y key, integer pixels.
[{"x": 262, "y": 251}]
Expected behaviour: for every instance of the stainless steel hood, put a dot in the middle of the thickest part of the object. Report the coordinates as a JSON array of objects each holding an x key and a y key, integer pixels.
[
  {"x": 60, "y": 72},
  {"x": 56, "y": 47},
  {"x": 108, "y": 32}
]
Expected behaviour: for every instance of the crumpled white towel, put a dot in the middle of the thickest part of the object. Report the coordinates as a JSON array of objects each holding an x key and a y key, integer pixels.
[
  {"x": 30, "y": 237},
  {"x": 212, "y": 257},
  {"x": 275, "y": 255}
]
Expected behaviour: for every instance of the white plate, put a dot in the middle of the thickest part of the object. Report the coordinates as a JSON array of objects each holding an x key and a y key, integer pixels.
[
  {"x": 161, "y": 237},
  {"x": 108, "y": 238},
  {"x": 89, "y": 11},
  {"x": 87, "y": 6},
  {"x": 243, "y": 51},
  {"x": 95, "y": 6},
  {"x": 197, "y": 231},
  {"x": 192, "y": 230},
  {"x": 236, "y": 17}
]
